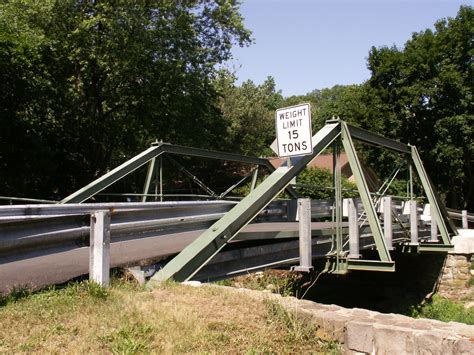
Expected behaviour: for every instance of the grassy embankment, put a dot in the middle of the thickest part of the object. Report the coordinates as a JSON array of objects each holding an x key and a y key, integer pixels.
[{"x": 84, "y": 318}]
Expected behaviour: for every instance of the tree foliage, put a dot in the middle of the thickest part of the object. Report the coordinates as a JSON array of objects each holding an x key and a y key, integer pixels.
[
  {"x": 249, "y": 113},
  {"x": 85, "y": 84},
  {"x": 422, "y": 94}
]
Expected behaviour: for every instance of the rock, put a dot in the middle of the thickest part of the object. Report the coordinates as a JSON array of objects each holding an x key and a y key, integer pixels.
[
  {"x": 450, "y": 261},
  {"x": 393, "y": 340},
  {"x": 359, "y": 337},
  {"x": 192, "y": 283}
]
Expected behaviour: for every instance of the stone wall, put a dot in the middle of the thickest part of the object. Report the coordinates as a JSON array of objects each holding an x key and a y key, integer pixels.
[
  {"x": 456, "y": 274},
  {"x": 455, "y": 277}
]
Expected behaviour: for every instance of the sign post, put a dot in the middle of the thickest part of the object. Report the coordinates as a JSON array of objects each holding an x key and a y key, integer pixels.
[{"x": 293, "y": 130}]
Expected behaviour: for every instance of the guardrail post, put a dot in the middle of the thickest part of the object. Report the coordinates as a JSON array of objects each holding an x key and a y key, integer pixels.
[
  {"x": 387, "y": 221},
  {"x": 434, "y": 226},
  {"x": 465, "y": 225},
  {"x": 413, "y": 222},
  {"x": 99, "y": 253},
  {"x": 304, "y": 216},
  {"x": 353, "y": 229}
]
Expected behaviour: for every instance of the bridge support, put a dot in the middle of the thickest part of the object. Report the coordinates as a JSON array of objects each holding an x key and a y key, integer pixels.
[{"x": 99, "y": 252}]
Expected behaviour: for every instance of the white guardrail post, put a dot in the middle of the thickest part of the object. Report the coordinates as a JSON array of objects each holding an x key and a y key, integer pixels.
[
  {"x": 306, "y": 255},
  {"x": 434, "y": 226},
  {"x": 387, "y": 221},
  {"x": 465, "y": 225},
  {"x": 353, "y": 229},
  {"x": 99, "y": 254},
  {"x": 413, "y": 222}
]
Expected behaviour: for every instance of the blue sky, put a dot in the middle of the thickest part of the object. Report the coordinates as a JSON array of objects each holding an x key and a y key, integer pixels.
[{"x": 307, "y": 45}]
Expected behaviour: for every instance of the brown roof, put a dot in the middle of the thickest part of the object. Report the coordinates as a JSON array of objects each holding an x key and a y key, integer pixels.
[{"x": 323, "y": 161}]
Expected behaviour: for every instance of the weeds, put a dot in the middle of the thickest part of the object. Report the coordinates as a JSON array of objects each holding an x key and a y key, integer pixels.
[
  {"x": 17, "y": 293},
  {"x": 129, "y": 339},
  {"x": 445, "y": 310},
  {"x": 297, "y": 330},
  {"x": 283, "y": 282}
]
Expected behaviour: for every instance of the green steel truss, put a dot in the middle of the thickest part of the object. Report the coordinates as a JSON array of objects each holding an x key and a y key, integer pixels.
[
  {"x": 149, "y": 156},
  {"x": 367, "y": 202},
  {"x": 198, "y": 253}
]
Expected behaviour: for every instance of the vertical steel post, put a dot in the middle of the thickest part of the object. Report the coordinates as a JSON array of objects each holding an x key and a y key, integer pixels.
[
  {"x": 387, "y": 221},
  {"x": 304, "y": 216},
  {"x": 364, "y": 192},
  {"x": 353, "y": 229},
  {"x": 254, "y": 179},
  {"x": 438, "y": 210},
  {"x": 434, "y": 226},
  {"x": 149, "y": 175},
  {"x": 413, "y": 222},
  {"x": 99, "y": 251},
  {"x": 410, "y": 168},
  {"x": 338, "y": 197},
  {"x": 465, "y": 224}
]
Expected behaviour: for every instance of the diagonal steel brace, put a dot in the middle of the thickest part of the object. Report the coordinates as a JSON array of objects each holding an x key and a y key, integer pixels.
[{"x": 198, "y": 253}]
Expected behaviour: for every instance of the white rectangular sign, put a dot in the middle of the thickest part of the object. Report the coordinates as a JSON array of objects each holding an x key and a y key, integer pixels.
[{"x": 293, "y": 130}]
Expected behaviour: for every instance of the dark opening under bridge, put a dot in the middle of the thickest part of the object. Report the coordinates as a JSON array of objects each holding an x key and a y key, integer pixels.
[{"x": 46, "y": 244}]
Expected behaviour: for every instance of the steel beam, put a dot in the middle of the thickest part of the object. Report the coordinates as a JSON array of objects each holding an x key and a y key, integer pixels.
[
  {"x": 377, "y": 140},
  {"x": 371, "y": 265},
  {"x": 428, "y": 247},
  {"x": 199, "y": 252},
  {"x": 149, "y": 176},
  {"x": 114, "y": 175},
  {"x": 364, "y": 194},
  {"x": 440, "y": 214},
  {"x": 154, "y": 151}
]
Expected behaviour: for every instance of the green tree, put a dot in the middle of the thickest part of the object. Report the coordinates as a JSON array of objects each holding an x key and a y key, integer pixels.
[
  {"x": 320, "y": 183},
  {"x": 90, "y": 83},
  {"x": 249, "y": 113},
  {"x": 422, "y": 94}
]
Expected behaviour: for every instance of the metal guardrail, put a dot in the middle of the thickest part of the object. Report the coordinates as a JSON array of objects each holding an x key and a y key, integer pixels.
[
  {"x": 30, "y": 227},
  {"x": 48, "y": 228},
  {"x": 463, "y": 216}
]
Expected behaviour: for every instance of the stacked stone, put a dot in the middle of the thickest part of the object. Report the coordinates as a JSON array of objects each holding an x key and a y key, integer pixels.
[{"x": 456, "y": 275}]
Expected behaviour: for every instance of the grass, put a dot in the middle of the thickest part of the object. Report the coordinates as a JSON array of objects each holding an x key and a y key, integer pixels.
[
  {"x": 445, "y": 310},
  {"x": 278, "y": 281},
  {"x": 85, "y": 318}
]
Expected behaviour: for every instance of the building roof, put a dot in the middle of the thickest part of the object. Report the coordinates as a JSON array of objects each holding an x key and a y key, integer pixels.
[{"x": 322, "y": 161}]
